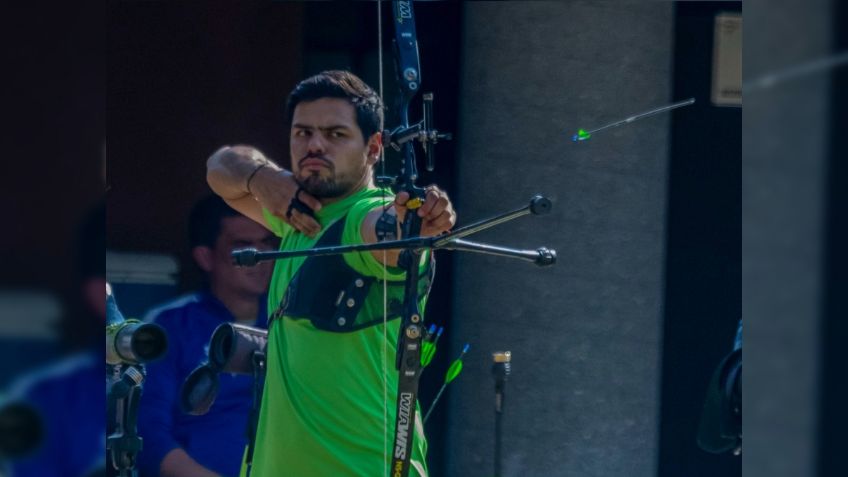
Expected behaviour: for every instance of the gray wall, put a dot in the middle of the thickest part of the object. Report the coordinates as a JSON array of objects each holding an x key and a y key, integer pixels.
[
  {"x": 784, "y": 166},
  {"x": 585, "y": 334}
]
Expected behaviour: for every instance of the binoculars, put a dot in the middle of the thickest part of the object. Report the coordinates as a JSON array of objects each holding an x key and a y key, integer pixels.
[{"x": 234, "y": 349}]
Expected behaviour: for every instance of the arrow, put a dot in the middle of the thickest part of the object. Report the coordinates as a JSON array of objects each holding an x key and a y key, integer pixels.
[
  {"x": 583, "y": 135},
  {"x": 453, "y": 371},
  {"x": 428, "y": 348}
]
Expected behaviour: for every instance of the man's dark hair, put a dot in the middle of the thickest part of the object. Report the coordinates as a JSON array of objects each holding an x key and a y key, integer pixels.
[
  {"x": 345, "y": 85},
  {"x": 204, "y": 221}
]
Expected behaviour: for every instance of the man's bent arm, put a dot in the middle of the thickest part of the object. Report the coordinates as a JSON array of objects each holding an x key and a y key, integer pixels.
[
  {"x": 227, "y": 172},
  {"x": 249, "y": 181}
]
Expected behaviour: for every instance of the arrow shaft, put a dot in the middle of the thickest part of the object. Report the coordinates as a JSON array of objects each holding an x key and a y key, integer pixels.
[
  {"x": 646, "y": 114},
  {"x": 436, "y": 400}
]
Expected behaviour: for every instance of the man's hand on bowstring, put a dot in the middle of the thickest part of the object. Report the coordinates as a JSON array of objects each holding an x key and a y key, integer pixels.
[
  {"x": 437, "y": 214},
  {"x": 249, "y": 181},
  {"x": 278, "y": 192}
]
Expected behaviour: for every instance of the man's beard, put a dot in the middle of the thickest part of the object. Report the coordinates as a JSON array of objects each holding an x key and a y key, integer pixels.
[
  {"x": 332, "y": 185},
  {"x": 323, "y": 187}
]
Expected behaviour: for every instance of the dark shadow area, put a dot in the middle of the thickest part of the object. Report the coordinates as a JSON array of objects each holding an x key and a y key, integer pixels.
[
  {"x": 833, "y": 415},
  {"x": 703, "y": 258}
]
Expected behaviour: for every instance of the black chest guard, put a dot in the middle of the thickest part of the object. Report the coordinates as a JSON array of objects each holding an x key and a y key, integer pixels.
[{"x": 331, "y": 294}]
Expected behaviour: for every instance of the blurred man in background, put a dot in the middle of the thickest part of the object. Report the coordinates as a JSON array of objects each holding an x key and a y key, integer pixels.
[
  {"x": 69, "y": 396},
  {"x": 175, "y": 443}
]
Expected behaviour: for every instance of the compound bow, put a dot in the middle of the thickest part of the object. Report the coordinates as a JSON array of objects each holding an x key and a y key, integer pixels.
[{"x": 411, "y": 244}]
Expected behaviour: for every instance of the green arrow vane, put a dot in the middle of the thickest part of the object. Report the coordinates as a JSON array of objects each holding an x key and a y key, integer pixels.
[{"x": 453, "y": 371}]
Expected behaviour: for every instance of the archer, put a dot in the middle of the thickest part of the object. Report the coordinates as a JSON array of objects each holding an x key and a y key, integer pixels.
[{"x": 331, "y": 351}]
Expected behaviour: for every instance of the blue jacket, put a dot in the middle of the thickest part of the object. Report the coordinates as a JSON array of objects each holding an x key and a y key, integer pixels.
[
  {"x": 217, "y": 439},
  {"x": 70, "y": 398}
]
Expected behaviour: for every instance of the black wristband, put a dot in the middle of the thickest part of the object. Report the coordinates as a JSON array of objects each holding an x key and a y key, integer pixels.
[{"x": 252, "y": 174}]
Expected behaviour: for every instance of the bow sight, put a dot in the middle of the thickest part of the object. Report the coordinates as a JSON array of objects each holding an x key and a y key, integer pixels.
[{"x": 424, "y": 132}]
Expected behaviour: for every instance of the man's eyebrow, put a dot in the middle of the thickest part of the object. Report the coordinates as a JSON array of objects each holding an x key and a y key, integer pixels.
[
  {"x": 334, "y": 127},
  {"x": 326, "y": 128}
]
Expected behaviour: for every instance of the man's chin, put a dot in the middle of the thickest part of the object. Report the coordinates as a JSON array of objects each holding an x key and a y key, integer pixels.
[
  {"x": 312, "y": 184},
  {"x": 321, "y": 189}
]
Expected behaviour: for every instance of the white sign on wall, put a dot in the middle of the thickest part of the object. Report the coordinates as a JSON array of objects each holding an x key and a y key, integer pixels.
[{"x": 727, "y": 60}]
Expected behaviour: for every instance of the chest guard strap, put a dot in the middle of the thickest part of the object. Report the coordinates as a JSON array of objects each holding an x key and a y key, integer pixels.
[{"x": 329, "y": 293}]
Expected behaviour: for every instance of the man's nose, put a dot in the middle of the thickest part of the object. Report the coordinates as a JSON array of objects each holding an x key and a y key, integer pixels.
[{"x": 316, "y": 144}]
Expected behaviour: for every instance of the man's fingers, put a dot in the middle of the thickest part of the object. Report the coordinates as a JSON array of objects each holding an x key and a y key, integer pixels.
[
  {"x": 441, "y": 219},
  {"x": 427, "y": 206},
  {"x": 302, "y": 221},
  {"x": 435, "y": 203},
  {"x": 309, "y": 200},
  {"x": 434, "y": 208},
  {"x": 294, "y": 220},
  {"x": 401, "y": 198},
  {"x": 305, "y": 223},
  {"x": 440, "y": 224},
  {"x": 312, "y": 224}
]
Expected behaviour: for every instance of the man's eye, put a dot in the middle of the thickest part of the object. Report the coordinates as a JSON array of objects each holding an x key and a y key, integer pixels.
[
  {"x": 336, "y": 134},
  {"x": 301, "y": 133}
]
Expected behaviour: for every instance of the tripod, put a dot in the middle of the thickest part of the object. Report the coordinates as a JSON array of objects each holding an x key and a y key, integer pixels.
[
  {"x": 259, "y": 363},
  {"x": 123, "y": 442},
  {"x": 500, "y": 371}
]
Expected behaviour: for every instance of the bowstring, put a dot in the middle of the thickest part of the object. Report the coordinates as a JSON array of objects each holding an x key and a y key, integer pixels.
[{"x": 384, "y": 353}]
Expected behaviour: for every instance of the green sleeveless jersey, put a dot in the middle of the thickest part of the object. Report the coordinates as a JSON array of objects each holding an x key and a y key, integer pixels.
[{"x": 328, "y": 406}]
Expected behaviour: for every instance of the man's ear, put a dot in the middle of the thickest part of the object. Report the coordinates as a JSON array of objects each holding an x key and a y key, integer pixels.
[
  {"x": 375, "y": 145},
  {"x": 203, "y": 257}
]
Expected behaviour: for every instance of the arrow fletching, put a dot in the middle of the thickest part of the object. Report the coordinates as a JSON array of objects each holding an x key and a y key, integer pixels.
[
  {"x": 428, "y": 347},
  {"x": 453, "y": 371},
  {"x": 581, "y": 135},
  {"x": 456, "y": 367},
  {"x": 428, "y": 350}
]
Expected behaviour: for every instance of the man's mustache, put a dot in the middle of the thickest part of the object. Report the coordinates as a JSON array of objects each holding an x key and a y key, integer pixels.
[{"x": 315, "y": 156}]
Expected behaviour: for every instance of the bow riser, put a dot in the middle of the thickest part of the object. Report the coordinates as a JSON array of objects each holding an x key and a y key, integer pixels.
[{"x": 408, "y": 359}]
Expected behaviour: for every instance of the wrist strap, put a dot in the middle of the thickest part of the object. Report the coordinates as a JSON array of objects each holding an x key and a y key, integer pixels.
[{"x": 252, "y": 174}]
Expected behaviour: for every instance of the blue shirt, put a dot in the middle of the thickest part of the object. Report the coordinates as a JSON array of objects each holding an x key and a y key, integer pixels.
[
  {"x": 217, "y": 439},
  {"x": 70, "y": 398}
]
